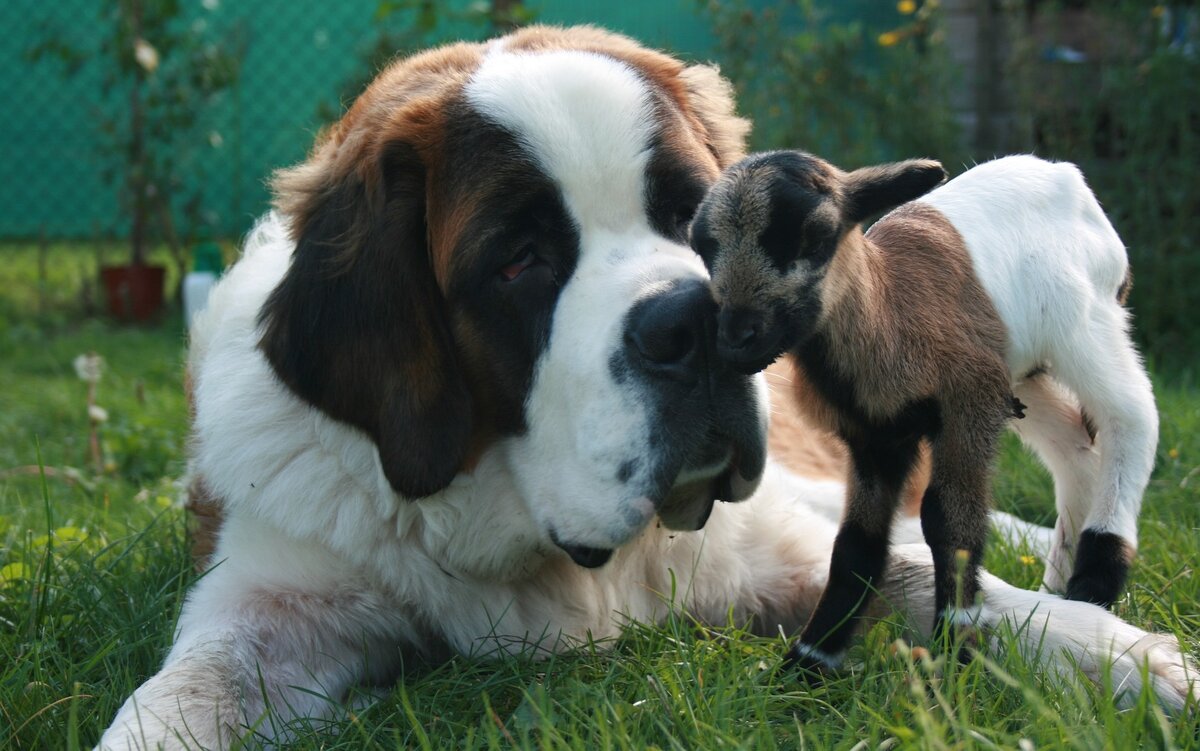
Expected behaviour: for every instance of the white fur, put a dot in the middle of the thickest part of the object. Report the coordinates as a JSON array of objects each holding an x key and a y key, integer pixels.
[
  {"x": 1052, "y": 263},
  {"x": 323, "y": 576}
]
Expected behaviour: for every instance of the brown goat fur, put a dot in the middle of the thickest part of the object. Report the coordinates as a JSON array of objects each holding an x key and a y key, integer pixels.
[{"x": 897, "y": 347}]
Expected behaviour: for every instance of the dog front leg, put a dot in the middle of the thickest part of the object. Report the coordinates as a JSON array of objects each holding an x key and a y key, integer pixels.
[{"x": 277, "y": 629}]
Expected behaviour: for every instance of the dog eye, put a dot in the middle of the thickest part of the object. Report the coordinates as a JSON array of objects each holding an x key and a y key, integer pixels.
[{"x": 521, "y": 261}]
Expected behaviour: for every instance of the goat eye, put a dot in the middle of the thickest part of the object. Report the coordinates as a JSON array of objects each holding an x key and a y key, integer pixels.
[{"x": 521, "y": 261}]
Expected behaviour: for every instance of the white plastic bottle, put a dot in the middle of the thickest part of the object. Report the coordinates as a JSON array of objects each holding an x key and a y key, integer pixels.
[{"x": 206, "y": 267}]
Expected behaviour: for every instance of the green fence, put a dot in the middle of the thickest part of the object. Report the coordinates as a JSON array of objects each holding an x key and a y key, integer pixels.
[{"x": 297, "y": 57}]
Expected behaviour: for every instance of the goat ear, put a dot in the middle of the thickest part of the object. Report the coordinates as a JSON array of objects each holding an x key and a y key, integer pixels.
[
  {"x": 871, "y": 190},
  {"x": 357, "y": 327}
]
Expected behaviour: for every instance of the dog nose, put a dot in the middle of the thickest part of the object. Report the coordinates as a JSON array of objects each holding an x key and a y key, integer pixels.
[
  {"x": 738, "y": 329},
  {"x": 667, "y": 334}
]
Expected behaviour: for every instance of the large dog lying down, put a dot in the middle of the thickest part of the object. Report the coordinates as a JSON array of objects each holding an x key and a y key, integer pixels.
[{"x": 460, "y": 394}]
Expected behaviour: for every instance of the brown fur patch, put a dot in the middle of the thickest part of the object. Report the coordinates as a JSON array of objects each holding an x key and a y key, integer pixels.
[
  {"x": 910, "y": 329},
  {"x": 205, "y": 517}
]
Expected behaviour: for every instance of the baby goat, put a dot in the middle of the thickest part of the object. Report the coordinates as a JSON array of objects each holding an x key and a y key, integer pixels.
[{"x": 997, "y": 294}]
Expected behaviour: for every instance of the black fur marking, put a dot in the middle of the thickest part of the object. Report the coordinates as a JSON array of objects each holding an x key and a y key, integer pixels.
[
  {"x": 360, "y": 328},
  {"x": 345, "y": 325},
  {"x": 887, "y": 458},
  {"x": 939, "y": 535},
  {"x": 797, "y": 191},
  {"x": 1018, "y": 408},
  {"x": 1101, "y": 568},
  {"x": 872, "y": 190},
  {"x": 503, "y": 326},
  {"x": 675, "y": 186},
  {"x": 627, "y": 469},
  {"x": 858, "y": 562},
  {"x": 703, "y": 242}
]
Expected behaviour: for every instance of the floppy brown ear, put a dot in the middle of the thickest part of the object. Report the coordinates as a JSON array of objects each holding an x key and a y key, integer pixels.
[
  {"x": 871, "y": 190},
  {"x": 357, "y": 327}
]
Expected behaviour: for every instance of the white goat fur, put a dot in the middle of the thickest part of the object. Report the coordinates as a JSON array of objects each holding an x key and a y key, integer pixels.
[{"x": 1052, "y": 264}]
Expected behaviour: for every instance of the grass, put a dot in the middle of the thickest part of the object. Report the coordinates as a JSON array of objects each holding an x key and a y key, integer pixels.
[{"x": 94, "y": 566}]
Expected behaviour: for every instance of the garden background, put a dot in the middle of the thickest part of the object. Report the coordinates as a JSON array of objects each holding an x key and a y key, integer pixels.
[{"x": 144, "y": 129}]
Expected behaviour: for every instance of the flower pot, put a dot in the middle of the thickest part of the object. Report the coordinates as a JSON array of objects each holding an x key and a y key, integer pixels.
[{"x": 134, "y": 293}]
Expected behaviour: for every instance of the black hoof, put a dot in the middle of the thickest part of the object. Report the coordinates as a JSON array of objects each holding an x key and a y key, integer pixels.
[
  {"x": 963, "y": 638},
  {"x": 809, "y": 663},
  {"x": 1101, "y": 568},
  {"x": 1094, "y": 590}
]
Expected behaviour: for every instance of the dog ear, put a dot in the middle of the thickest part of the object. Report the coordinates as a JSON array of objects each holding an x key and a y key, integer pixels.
[
  {"x": 871, "y": 190},
  {"x": 358, "y": 327},
  {"x": 711, "y": 98}
]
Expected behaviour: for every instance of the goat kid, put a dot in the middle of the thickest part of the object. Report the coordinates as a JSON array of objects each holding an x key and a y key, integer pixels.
[{"x": 997, "y": 295}]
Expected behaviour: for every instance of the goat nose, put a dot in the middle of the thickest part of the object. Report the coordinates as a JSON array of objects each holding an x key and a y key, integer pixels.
[
  {"x": 738, "y": 329},
  {"x": 667, "y": 334}
]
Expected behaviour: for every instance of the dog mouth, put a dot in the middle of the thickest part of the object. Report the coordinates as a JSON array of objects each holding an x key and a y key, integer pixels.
[
  {"x": 697, "y": 457},
  {"x": 686, "y": 506},
  {"x": 689, "y": 503},
  {"x": 583, "y": 555}
]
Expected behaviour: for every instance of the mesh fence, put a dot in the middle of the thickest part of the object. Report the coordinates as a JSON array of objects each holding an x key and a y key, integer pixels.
[{"x": 66, "y": 93}]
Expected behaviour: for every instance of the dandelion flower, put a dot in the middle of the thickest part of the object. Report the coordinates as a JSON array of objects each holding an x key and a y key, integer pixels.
[
  {"x": 89, "y": 367},
  {"x": 1028, "y": 560},
  {"x": 907, "y": 7},
  {"x": 889, "y": 39}
]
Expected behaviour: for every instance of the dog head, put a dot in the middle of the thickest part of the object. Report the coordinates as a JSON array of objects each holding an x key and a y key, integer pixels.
[
  {"x": 769, "y": 231},
  {"x": 491, "y": 255}
]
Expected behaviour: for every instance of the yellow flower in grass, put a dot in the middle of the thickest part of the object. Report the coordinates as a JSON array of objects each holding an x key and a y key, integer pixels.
[
  {"x": 889, "y": 38},
  {"x": 14, "y": 572},
  {"x": 907, "y": 7},
  {"x": 1173, "y": 453},
  {"x": 1028, "y": 560},
  {"x": 70, "y": 534},
  {"x": 61, "y": 535}
]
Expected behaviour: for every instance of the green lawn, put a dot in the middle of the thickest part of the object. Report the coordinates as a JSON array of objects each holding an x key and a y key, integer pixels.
[{"x": 93, "y": 567}]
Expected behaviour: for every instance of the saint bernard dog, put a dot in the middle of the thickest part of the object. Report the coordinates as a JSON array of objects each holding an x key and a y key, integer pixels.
[{"x": 460, "y": 395}]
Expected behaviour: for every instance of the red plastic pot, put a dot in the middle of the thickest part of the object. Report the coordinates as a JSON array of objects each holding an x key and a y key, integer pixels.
[{"x": 134, "y": 293}]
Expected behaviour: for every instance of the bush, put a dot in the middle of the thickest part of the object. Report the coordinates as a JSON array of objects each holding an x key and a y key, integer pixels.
[{"x": 1127, "y": 114}]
